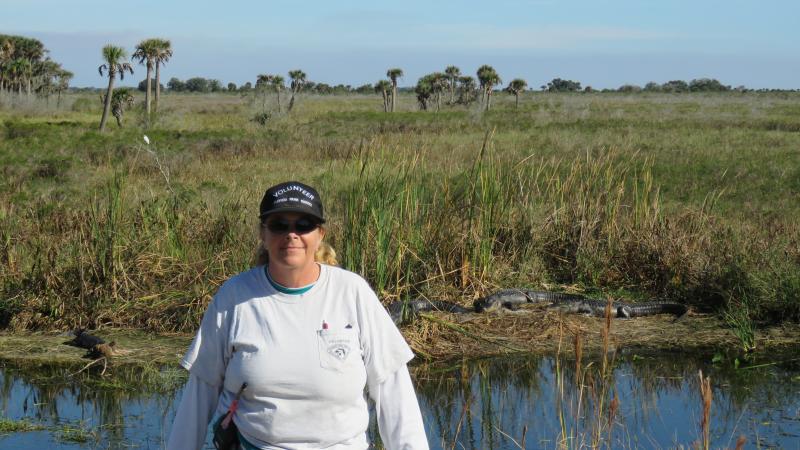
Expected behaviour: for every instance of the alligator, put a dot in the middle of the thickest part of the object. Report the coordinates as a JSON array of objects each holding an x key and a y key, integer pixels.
[
  {"x": 651, "y": 308},
  {"x": 406, "y": 310},
  {"x": 512, "y": 298},
  {"x": 95, "y": 346},
  {"x": 594, "y": 307},
  {"x": 86, "y": 340}
]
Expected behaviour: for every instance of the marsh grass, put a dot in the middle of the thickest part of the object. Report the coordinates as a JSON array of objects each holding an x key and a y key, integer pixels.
[
  {"x": 587, "y": 408},
  {"x": 8, "y": 426},
  {"x": 706, "y": 395},
  {"x": 687, "y": 198},
  {"x": 78, "y": 433}
]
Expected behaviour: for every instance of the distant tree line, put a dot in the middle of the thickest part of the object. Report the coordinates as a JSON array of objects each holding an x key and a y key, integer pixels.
[
  {"x": 195, "y": 84},
  {"x": 199, "y": 84},
  {"x": 673, "y": 86},
  {"x": 26, "y": 68},
  {"x": 450, "y": 87},
  {"x": 696, "y": 85}
]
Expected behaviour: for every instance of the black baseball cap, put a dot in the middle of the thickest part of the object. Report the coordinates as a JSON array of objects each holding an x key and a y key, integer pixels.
[{"x": 292, "y": 196}]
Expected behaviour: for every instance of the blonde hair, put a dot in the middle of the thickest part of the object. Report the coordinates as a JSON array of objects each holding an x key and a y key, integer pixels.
[{"x": 325, "y": 254}]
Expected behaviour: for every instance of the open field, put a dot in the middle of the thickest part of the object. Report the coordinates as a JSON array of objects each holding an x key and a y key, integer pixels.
[{"x": 685, "y": 197}]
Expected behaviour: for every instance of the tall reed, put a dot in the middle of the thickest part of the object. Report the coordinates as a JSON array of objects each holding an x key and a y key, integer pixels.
[
  {"x": 592, "y": 399},
  {"x": 706, "y": 396}
]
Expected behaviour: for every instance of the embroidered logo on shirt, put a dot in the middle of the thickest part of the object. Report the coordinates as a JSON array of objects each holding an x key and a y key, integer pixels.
[{"x": 339, "y": 350}]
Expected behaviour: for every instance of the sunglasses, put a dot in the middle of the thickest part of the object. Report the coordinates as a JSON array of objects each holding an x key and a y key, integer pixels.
[{"x": 302, "y": 225}]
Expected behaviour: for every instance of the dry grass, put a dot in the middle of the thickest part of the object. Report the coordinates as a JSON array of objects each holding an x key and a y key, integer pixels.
[
  {"x": 537, "y": 330},
  {"x": 441, "y": 336},
  {"x": 134, "y": 348}
]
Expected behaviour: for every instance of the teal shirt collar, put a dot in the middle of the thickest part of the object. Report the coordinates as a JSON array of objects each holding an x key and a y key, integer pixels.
[{"x": 286, "y": 290}]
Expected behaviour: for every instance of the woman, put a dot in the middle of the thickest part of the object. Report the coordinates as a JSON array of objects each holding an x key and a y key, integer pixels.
[{"x": 297, "y": 342}]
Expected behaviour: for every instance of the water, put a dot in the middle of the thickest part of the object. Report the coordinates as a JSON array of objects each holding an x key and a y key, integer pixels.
[{"x": 500, "y": 403}]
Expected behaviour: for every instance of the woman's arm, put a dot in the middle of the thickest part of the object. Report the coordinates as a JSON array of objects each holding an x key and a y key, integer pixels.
[
  {"x": 399, "y": 417},
  {"x": 195, "y": 411}
]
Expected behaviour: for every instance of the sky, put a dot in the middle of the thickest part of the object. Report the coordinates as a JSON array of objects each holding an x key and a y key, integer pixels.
[{"x": 600, "y": 43}]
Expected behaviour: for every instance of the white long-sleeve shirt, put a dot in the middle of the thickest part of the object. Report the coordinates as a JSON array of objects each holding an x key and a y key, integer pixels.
[
  {"x": 306, "y": 360},
  {"x": 399, "y": 418}
]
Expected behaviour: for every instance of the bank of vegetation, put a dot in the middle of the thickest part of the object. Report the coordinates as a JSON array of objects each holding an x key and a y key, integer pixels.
[{"x": 687, "y": 198}]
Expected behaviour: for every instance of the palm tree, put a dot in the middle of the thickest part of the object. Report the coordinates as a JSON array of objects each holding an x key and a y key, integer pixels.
[
  {"x": 24, "y": 71},
  {"x": 31, "y": 51},
  {"x": 384, "y": 87},
  {"x": 424, "y": 90},
  {"x": 516, "y": 86},
  {"x": 466, "y": 89},
  {"x": 393, "y": 75},
  {"x": 277, "y": 84},
  {"x": 121, "y": 99},
  {"x": 163, "y": 55},
  {"x": 262, "y": 81},
  {"x": 16, "y": 73},
  {"x": 115, "y": 64},
  {"x": 62, "y": 84},
  {"x": 488, "y": 79},
  {"x": 46, "y": 74},
  {"x": 452, "y": 73},
  {"x": 20, "y": 74},
  {"x": 6, "y": 57},
  {"x": 438, "y": 85},
  {"x": 24, "y": 65},
  {"x": 266, "y": 82},
  {"x": 146, "y": 53},
  {"x": 298, "y": 78}
]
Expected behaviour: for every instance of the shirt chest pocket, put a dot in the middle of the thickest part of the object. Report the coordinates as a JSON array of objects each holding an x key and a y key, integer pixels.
[{"x": 338, "y": 349}]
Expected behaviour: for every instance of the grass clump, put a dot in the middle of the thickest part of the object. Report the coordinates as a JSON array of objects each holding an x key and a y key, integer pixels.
[{"x": 8, "y": 426}]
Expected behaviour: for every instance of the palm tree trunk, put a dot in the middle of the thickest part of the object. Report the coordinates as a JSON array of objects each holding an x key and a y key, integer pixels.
[
  {"x": 148, "y": 90},
  {"x": 452, "y": 91},
  {"x": 28, "y": 87},
  {"x": 107, "y": 103},
  {"x": 488, "y": 98},
  {"x": 58, "y": 101},
  {"x": 279, "y": 101},
  {"x": 291, "y": 103},
  {"x": 158, "y": 86},
  {"x": 394, "y": 94}
]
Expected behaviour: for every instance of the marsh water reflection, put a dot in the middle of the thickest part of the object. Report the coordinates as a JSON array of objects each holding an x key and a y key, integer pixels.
[{"x": 499, "y": 403}]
